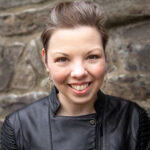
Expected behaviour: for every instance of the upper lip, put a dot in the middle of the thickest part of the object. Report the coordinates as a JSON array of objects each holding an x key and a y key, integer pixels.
[{"x": 79, "y": 83}]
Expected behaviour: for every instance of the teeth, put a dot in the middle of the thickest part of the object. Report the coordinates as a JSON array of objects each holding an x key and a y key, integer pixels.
[{"x": 79, "y": 87}]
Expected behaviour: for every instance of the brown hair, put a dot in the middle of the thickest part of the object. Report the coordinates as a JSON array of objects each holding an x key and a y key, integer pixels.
[{"x": 71, "y": 14}]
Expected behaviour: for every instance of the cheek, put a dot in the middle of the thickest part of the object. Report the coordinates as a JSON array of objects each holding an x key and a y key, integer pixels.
[
  {"x": 58, "y": 75},
  {"x": 98, "y": 71}
]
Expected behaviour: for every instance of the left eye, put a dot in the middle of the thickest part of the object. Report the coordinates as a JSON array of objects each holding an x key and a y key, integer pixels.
[
  {"x": 61, "y": 59},
  {"x": 93, "y": 57}
]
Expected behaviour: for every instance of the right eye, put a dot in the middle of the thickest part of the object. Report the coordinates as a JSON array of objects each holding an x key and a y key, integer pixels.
[
  {"x": 61, "y": 59},
  {"x": 93, "y": 57}
]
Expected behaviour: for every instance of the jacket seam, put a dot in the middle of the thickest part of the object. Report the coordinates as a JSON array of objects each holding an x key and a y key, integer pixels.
[
  {"x": 50, "y": 127},
  {"x": 21, "y": 131},
  {"x": 104, "y": 125}
]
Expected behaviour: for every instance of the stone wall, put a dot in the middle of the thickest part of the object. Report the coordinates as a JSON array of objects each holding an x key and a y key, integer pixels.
[{"x": 23, "y": 78}]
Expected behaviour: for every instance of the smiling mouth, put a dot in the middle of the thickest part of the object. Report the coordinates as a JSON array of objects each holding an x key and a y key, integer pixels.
[{"x": 80, "y": 87}]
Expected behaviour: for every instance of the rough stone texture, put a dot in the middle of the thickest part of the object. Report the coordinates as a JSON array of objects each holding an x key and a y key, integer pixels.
[
  {"x": 132, "y": 32},
  {"x": 46, "y": 84},
  {"x": 24, "y": 77},
  {"x": 135, "y": 58},
  {"x": 128, "y": 86},
  {"x": 28, "y": 21},
  {"x": 128, "y": 58},
  {"x": 9, "y": 58},
  {"x": 116, "y": 13},
  {"x": 35, "y": 56},
  {"x": 124, "y": 12},
  {"x": 12, "y": 102},
  {"x": 12, "y": 3}
]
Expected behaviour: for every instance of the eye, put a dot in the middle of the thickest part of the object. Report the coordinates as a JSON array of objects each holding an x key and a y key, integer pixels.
[
  {"x": 91, "y": 57},
  {"x": 62, "y": 59}
]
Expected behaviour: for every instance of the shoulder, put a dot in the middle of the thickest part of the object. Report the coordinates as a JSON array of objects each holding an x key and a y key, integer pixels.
[
  {"x": 121, "y": 104},
  {"x": 22, "y": 122},
  {"x": 125, "y": 115},
  {"x": 123, "y": 109},
  {"x": 29, "y": 111}
]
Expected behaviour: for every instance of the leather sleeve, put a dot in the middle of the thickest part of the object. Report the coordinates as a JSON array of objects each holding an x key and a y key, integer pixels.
[
  {"x": 8, "y": 141},
  {"x": 144, "y": 131}
]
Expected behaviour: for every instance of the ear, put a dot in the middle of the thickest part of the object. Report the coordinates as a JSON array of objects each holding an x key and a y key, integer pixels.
[{"x": 44, "y": 59}]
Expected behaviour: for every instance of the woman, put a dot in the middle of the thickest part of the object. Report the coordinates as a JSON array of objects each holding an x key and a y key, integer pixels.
[{"x": 76, "y": 115}]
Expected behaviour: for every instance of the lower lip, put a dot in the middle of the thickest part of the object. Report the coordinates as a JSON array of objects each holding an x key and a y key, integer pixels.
[{"x": 81, "y": 92}]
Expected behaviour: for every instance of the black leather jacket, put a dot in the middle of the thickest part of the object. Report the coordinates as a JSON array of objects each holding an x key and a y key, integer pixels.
[{"x": 121, "y": 125}]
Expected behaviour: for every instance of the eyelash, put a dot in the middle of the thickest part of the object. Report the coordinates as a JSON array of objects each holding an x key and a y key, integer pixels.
[
  {"x": 91, "y": 57},
  {"x": 61, "y": 59},
  {"x": 64, "y": 59}
]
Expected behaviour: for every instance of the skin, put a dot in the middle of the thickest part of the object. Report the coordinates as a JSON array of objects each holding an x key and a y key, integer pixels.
[{"x": 76, "y": 57}]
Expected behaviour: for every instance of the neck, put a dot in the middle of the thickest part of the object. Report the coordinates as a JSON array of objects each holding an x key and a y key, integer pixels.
[{"x": 68, "y": 108}]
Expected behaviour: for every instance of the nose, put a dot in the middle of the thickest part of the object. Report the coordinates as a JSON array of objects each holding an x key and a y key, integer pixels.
[{"x": 78, "y": 71}]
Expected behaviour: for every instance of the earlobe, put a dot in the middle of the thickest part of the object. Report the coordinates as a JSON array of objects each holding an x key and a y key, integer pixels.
[
  {"x": 43, "y": 58},
  {"x": 43, "y": 52}
]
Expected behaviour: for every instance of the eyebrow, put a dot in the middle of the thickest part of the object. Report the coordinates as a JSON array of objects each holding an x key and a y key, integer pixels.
[
  {"x": 90, "y": 51},
  {"x": 95, "y": 49},
  {"x": 61, "y": 53}
]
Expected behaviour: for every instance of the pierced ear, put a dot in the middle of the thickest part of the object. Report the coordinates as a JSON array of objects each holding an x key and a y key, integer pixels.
[
  {"x": 43, "y": 53},
  {"x": 44, "y": 59}
]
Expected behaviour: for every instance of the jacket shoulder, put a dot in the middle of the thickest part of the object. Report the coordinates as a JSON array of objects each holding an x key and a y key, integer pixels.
[
  {"x": 126, "y": 112},
  {"x": 113, "y": 102},
  {"x": 123, "y": 110},
  {"x": 29, "y": 122},
  {"x": 31, "y": 110}
]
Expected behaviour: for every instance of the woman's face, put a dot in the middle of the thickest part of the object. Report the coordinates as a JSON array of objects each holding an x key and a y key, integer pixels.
[{"x": 76, "y": 63}]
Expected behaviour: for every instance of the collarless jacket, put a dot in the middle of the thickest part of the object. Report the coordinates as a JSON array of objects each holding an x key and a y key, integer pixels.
[{"x": 121, "y": 125}]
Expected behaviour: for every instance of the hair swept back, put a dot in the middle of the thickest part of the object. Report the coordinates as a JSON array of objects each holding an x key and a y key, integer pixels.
[{"x": 70, "y": 14}]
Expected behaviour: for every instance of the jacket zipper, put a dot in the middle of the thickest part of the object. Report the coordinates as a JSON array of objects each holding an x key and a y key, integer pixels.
[{"x": 97, "y": 135}]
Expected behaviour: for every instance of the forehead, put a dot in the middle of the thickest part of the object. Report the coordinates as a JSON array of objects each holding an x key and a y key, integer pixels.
[{"x": 79, "y": 37}]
